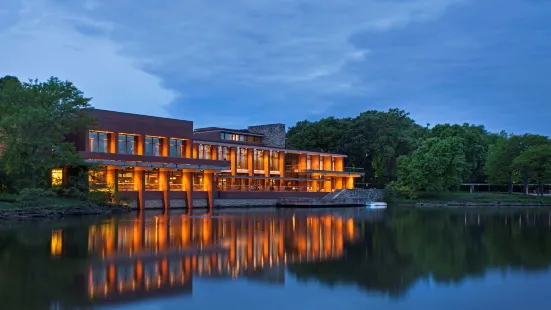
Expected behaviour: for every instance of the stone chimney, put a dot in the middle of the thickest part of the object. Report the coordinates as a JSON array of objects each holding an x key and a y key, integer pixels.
[{"x": 274, "y": 134}]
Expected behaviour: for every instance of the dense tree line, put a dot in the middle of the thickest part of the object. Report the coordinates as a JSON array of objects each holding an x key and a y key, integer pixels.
[{"x": 393, "y": 149}]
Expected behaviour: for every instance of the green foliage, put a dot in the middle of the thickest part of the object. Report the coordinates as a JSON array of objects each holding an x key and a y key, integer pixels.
[
  {"x": 535, "y": 164},
  {"x": 438, "y": 165},
  {"x": 34, "y": 194},
  {"x": 36, "y": 118}
]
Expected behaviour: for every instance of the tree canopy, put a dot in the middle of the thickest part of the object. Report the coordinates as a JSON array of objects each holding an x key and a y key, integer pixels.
[{"x": 36, "y": 119}]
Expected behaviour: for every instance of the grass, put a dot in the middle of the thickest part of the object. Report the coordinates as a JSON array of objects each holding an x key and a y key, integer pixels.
[
  {"x": 478, "y": 197},
  {"x": 52, "y": 203}
]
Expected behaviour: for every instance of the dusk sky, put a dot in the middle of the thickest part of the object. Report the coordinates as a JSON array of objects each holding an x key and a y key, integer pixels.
[{"x": 246, "y": 62}]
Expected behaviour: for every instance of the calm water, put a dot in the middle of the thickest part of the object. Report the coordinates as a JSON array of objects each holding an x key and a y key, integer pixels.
[{"x": 329, "y": 259}]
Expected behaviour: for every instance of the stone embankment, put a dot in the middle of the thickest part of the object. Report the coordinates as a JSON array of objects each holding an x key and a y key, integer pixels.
[
  {"x": 37, "y": 213},
  {"x": 371, "y": 194}
]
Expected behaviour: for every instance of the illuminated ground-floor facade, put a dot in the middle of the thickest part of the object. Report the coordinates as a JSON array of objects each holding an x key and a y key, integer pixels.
[{"x": 162, "y": 163}]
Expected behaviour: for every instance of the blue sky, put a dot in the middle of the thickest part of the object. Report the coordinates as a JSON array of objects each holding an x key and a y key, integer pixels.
[{"x": 243, "y": 62}]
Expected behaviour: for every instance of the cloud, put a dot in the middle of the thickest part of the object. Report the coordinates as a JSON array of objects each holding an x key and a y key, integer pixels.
[{"x": 46, "y": 41}]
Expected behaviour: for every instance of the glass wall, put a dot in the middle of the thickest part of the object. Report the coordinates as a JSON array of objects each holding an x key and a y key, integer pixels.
[
  {"x": 98, "y": 141},
  {"x": 198, "y": 182},
  {"x": 274, "y": 160},
  {"x": 153, "y": 146},
  {"x": 176, "y": 179},
  {"x": 97, "y": 178},
  {"x": 57, "y": 177},
  {"x": 152, "y": 180},
  {"x": 308, "y": 162},
  {"x": 258, "y": 160},
  {"x": 322, "y": 166},
  {"x": 204, "y": 151},
  {"x": 126, "y": 179},
  {"x": 223, "y": 153},
  {"x": 127, "y": 144},
  {"x": 242, "y": 162},
  {"x": 177, "y": 148}
]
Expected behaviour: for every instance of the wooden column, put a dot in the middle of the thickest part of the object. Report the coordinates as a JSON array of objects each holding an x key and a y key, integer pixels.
[
  {"x": 208, "y": 186},
  {"x": 114, "y": 143},
  {"x": 316, "y": 162},
  {"x": 187, "y": 179},
  {"x": 141, "y": 145},
  {"x": 165, "y": 151},
  {"x": 113, "y": 178},
  {"x": 164, "y": 186},
  {"x": 327, "y": 163},
  {"x": 233, "y": 163},
  {"x": 339, "y": 183},
  {"x": 250, "y": 165},
  {"x": 139, "y": 186},
  {"x": 349, "y": 182},
  {"x": 213, "y": 152},
  {"x": 189, "y": 146},
  {"x": 195, "y": 150},
  {"x": 339, "y": 163},
  {"x": 266, "y": 159},
  {"x": 301, "y": 162},
  {"x": 281, "y": 169}
]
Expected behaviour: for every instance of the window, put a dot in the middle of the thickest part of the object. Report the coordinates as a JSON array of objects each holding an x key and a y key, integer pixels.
[
  {"x": 152, "y": 179},
  {"x": 237, "y": 137},
  {"x": 97, "y": 177},
  {"x": 204, "y": 151},
  {"x": 126, "y": 179},
  {"x": 57, "y": 176},
  {"x": 127, "y": 144},
  {"x": 242, "y": 162},
  {"x": 308, "y": 162},
  {"x": 177, "y": 180},
  {"x": 333, "y": 164},
  {"x": 177, "y": 148},
  {"x": 198, "y": 184},
  {"x": 223, "y": 153},
  {"x": 258, "y": 159},
  {"x": 274, "y": 160},
  {"x": 322, "y": 166},
  {"x": 99, "y": 141},
  {"x": 153, "y": 146}
]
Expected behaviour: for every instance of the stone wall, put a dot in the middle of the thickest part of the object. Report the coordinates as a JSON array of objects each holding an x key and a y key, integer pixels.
[
  {"x": 372, "y": 194},
  {"x": 274, "y": 134}
]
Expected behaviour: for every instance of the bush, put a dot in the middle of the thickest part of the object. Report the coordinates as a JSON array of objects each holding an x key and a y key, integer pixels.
[
  {"x": 389, "y": 193},
  {"x": 34, "y": 194},
  {"x": 100, "y": 197},
  {"x": 8, "y": 198},
  {"x": 72, "y": 192}
]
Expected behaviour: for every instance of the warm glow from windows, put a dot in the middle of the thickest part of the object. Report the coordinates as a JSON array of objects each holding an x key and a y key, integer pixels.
[
  {"x": 57, "y": 176},
  {"x": 56, "y": 242}
]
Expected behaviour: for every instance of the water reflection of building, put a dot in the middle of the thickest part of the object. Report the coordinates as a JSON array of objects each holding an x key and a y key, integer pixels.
[{"x": 162, "y": 254}]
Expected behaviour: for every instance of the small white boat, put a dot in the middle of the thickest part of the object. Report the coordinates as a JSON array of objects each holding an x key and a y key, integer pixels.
[{"x": 375, "y": 205}]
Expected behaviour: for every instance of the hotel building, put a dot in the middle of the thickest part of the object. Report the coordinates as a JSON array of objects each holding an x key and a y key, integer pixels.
[{"x": 164, "y": 163}]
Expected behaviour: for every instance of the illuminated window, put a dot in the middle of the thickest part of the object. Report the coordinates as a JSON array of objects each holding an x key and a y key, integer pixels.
[
  {"x": 97, "y": 177},
  {"x": 126, "y": 179},
  {"x": 308, "y": 162},
  {"x": 322, "y": 166},
  {"x": 237, "y": 137},
  {"x": 274, "y": 160},
  {"x": 177, "y": 180},
  {"x": 204, "y": 151},
  {"x": 242, "y": 162},
  {"x": 152, "y": 179},
  {"x": 127, "y": 144},
  {"x": 223, "y": 153},
  {"x": 177, "y": 148},
  {"x": 258, "y": 159},
  {"x": 57, "y": 176},
  {"x": 153, "y": 146},
  {"x": 333, "y": 161},
  {"x": 99, "y": 141}
]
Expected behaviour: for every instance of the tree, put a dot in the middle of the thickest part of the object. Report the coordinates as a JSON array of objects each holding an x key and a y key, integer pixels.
[
  {"x": 36, "y": 118},
  {"x": 475, "y": 146},
  {"x": 501, "y": 155},
  {"x": 325, "y": 135},
  {"x": 438, "y": 165},
  {"x": 535, "y": 164}
]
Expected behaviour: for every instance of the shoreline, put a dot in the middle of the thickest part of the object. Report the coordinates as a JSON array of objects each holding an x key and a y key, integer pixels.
[
  {"x": 41, "y": 213},
  {"x": 452, "y": 205}
]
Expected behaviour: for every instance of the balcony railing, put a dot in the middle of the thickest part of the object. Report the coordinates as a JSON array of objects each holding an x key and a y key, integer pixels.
[
  {"x": 152, "y": 187},
  {"x": 177, "y": 187},
  {"x": 258, "y": 188},
  {"x": 126, "y": 187},
  {"x": 198, "y": 187},
  {"x": 304, "y": 168}
]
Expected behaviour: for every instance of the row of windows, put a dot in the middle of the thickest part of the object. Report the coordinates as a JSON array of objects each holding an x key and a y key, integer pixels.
[
  {"x": 242, "y": 138},
  {"x": 128, "y": 144}
]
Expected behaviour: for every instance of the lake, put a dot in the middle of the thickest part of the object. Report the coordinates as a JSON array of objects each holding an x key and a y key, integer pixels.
[{"x": 281, "y": 259}]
